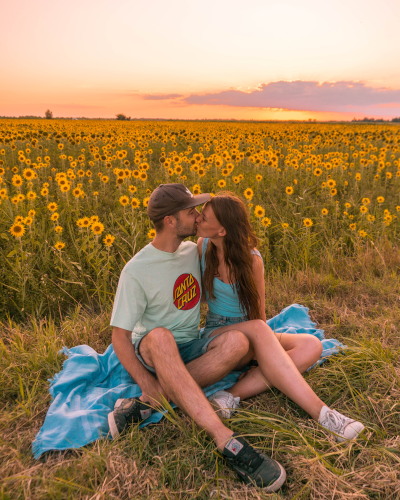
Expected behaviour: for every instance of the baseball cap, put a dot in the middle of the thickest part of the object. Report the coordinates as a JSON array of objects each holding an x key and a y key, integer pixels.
[{"x": 167, "y": 199}]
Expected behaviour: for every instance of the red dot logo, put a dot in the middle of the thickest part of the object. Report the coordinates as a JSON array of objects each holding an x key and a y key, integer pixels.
[{"x": 186, "y": 292}]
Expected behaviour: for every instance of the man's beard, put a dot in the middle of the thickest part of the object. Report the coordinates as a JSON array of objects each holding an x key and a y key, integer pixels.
[{"x": 185, "y": 231}]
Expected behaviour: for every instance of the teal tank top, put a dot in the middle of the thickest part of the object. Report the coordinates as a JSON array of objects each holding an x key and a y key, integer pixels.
[{"x": 226, "y": 302}]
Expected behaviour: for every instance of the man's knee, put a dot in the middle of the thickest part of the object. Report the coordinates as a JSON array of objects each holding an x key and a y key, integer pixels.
[
  {"x": 154, "y": 340},
  {"x": 233, "y": 341}
]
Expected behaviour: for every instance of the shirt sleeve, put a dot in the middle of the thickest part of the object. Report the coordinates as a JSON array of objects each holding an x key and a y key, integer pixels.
[{"x": 129, "y": 303}]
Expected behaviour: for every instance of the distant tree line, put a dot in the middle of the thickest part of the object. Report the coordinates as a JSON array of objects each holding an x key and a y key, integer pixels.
[{"x": 373, "y": 120}]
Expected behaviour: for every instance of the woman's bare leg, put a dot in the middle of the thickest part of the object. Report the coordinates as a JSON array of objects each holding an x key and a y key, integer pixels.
[
  {"x": 276, "y": 367},
  {"x": 303, "y": 349}
]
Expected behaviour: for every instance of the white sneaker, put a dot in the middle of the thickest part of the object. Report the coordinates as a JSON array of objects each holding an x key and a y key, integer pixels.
[
  {"x": 344, "y": 428},
  {"x": 224, "y": 403}
]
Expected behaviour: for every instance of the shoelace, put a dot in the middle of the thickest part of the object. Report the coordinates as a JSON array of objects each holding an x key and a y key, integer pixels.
[
  {"x": 334, "y": 421},
  {"x": 249, "y": 461}
]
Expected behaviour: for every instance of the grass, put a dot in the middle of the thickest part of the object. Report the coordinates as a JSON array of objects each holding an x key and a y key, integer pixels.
[{"x": 355, "y": 299}]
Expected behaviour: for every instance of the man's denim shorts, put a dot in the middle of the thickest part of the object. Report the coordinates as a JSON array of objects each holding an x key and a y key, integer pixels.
[
  {"x": 188, "y": 351},
  {"x": 214, "y": 321}
]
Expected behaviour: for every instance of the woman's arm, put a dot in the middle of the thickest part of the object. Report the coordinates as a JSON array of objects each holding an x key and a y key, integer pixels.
[
  {"x": 203, "y": 299},
  {"x": 200, "y": 246},
  {"x": 258, "y": 272}
]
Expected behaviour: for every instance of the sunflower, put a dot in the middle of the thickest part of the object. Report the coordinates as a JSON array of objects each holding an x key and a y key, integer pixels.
[
  {"x": 363, "y": 209},
  {"x": 132, "y": 189},
  {"x": 124, "y": 200},
  {"x": 105, "y": 179},
  {"x": 221, "y": 183},
  {"x": 143, "y": 176},
  {"x": 52, "y": 206},
  {"x": 347, "y": 205},
  {"x": 259, "y": 211},
  {"x": 236, "y": 180},
  {"x": 308, "y": 222},
  {"x": 259, "y": 177},
  {"x": 58, "y": 229},
  {"x": 358, "y": 176},
  {"x": 3, "y": 193},
  {"x": 324, "y": 211},
  {"x": 333, "y": 191},
  {"x": 97, "y": 228},
  {"x": 289, "y": 190},
  {"x": 365, "y": 201},
  {"x": 146, "y": 201},
  {"x": 19, "y": 219},
  {"x": 331, "y": 183},
  {"x": 86, "y": 222},
  {"x": 178, "y": 169},
  {"x": 362, "y": 233},
  {"x": 55, "y": 216},
  {"x": 266, "y": 221},
  {"x": 65, "y": 188},
  {"x": 135, "y": 203},
  {"x": 353, "y": 226},
  {"x": 17, "y": 180},
  {"x": 284, "y": 225},
  {"x": 248, "y": 193},
  {"x": 17, "y": 230},
  {"x": 151, "y": 234},
  {"x": 196, "y": 189},
  {"x": 202, "y": 172},
  {"x": 380, "y": 199},
  {"x": 317, "y": 172},
  {"x": 76, "y": 192},
  {"x": 59, "y": 245},
  {"x": 31, "y": 195},
  {"x": 32, "y": 213},
  {"x": 108, "y": 240}
]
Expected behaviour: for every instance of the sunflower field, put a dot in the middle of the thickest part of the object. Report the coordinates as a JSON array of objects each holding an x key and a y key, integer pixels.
[{"x": 73, "y": 196}]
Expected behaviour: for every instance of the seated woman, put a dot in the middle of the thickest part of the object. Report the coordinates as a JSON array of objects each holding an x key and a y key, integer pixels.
[{"x": 233, "y": 280}]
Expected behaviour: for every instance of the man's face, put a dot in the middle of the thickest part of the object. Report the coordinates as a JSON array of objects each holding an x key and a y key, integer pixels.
[{"x": 186, "y": 222}]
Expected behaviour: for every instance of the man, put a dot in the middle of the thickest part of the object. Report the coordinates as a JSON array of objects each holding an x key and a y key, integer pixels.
[{"x": 157, "y": 307}]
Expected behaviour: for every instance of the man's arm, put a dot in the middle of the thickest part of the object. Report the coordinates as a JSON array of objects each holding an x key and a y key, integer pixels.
[{"x": 125, "y": 351}]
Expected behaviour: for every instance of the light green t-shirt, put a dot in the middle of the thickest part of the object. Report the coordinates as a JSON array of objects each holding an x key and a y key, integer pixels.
[{"x": 159, "y": 288}]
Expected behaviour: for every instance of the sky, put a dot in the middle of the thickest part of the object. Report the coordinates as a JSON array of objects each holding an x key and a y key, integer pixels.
[{"x": 213, "y": 59}]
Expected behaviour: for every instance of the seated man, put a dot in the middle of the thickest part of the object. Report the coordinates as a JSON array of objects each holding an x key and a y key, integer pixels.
[{"x": 157, "y": 306}]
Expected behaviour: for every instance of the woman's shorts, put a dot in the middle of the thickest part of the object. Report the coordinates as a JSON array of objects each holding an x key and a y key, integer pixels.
[{"x": 214, "y": 321}]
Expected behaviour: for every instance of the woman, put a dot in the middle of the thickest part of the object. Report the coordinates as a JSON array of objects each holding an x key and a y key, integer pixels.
[{"x": 233, "y": 280}]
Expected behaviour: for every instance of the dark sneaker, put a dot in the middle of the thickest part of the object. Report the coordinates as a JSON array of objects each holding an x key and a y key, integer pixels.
[
  {"x": 253, "y": 466},
  {"x": 127, "y": 411}
]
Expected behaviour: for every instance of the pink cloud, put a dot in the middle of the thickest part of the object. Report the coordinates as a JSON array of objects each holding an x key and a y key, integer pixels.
[
  {"x": 160, "y": 97},
  {"x": 343, "y": 96}
]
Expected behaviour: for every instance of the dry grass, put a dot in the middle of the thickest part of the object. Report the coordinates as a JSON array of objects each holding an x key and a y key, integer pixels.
[{"x": 356, "y": 300}]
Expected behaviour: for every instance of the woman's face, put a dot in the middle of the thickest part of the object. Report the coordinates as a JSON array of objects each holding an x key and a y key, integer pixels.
[{"x": 208, "y": 225}]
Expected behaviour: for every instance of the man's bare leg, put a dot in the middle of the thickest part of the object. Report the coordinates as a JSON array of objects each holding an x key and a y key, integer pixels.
[
  {"x": 159, "y": 350},
  {"x": 222, "y": 356}
]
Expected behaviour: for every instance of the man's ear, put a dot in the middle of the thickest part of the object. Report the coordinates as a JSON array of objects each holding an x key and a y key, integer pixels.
[
  {"x": 169, "y": 221},
  {"x": 222, "y": 232}
]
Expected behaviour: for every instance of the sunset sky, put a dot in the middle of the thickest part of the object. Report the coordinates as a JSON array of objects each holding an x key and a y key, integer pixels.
[{"x": 258, "y": 59}]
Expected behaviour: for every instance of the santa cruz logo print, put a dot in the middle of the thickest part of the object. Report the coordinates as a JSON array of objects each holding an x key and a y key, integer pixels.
[{"x": 186, "y": 292}]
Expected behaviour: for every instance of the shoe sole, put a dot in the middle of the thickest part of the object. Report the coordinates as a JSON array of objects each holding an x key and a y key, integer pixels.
[
  {"x": 111, "y": 420},
  {"x": 113, "y": 427},
  {"x": 278, "y": 483}
]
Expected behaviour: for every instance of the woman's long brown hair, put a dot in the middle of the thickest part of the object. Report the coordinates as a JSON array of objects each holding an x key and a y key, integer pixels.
[{"x": 237, "y": 245}]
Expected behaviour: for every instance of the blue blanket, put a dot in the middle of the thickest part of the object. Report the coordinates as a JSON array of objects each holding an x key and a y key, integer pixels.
[{"x": 86, "y": 389}]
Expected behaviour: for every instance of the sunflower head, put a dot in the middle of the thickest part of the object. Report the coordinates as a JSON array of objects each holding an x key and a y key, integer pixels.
[
  {"x": 17, "y": 230},
  {"x": 59, "y": 245},
  {"x": 108, "y": 240}
]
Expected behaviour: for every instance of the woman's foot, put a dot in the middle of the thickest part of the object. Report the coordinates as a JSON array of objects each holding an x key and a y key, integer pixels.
[
  {"x": 224, "y": 403},
  {"x": 344, "y": 428}
]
